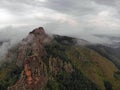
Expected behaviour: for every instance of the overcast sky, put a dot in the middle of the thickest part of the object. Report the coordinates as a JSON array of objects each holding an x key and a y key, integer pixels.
[{"x": 79, "y": 18}]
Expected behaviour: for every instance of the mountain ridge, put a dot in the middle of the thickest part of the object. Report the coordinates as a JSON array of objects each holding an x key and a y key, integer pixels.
[{"x": 41, "y": 62}]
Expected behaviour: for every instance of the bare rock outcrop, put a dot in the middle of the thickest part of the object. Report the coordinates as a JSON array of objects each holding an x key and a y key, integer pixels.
[{"x": 31, "y": 52}]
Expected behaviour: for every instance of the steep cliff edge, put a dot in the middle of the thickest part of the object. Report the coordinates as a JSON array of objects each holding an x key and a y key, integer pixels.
[{"x": 30, "y": 54}]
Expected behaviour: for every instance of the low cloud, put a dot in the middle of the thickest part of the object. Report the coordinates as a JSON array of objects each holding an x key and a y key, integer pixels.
[
  {"x": 10, "y": 36},
  {"x": 80, "y": 19}
]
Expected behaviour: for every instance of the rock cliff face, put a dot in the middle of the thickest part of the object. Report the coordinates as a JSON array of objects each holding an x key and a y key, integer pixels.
[
  {"x": 30, "y": 58},
  {"x": 31, "y": 52}
]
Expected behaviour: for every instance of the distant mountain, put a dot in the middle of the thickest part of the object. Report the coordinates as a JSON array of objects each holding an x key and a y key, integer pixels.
[
  {"x": 42, "y": 62},
  {"x": 117, "y": 37},
  {"x": 113, "y": 41},
  {"x": 113, "y": 45}
]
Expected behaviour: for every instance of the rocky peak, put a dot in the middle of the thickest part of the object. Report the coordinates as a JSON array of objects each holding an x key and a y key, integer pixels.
[
  {"x": 37, "y": 34},
  {"x": 33, "y": 45},
  {"x": 38, "y": 31},
  {"x": 31, "y": 52},
  {"x": 31, "y": 55}
]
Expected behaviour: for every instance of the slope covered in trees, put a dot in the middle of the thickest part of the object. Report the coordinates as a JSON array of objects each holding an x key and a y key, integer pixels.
[{"x": 59, "y": 64}]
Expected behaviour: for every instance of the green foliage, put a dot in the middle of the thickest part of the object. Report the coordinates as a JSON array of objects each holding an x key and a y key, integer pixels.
[
  {"x": 29, "y": 53},
  {"x": 94, "y": 66},
  {"x": 117, "y": 75},
  {"x": 107, "y": 85},
  {"x": 9, "y": 74},
  {"x": 75, "y": 81},
  {"x": 66, "y": 81},
  {"x": 56, "y": 50},
  {"x": 112, "y": 54},
  {"x": 64, "y": 40},
  {"x": 59, "y": 45},
  {"x": 52, "y": 85}
]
